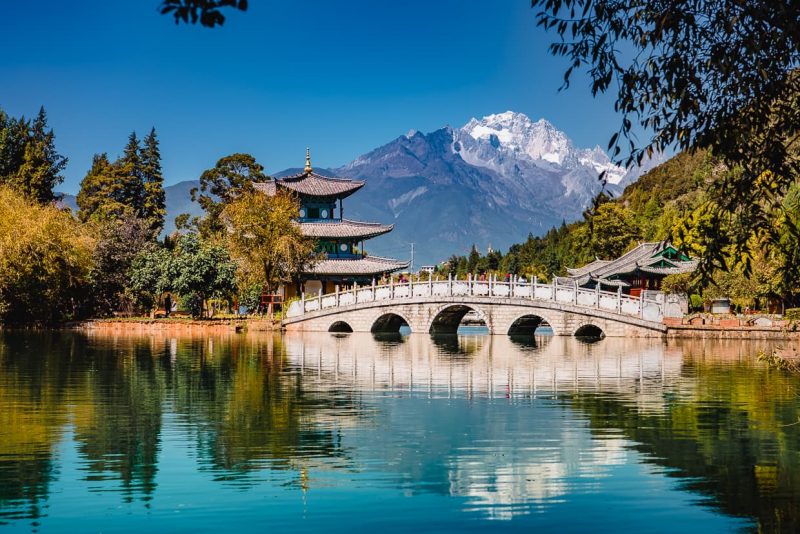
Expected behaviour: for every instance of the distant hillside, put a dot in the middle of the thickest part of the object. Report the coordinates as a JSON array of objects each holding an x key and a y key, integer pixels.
[{"x": 490, "y": 183}]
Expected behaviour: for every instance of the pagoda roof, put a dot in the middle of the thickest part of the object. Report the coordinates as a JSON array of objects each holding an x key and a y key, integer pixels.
[
  {"x": 344, "y": 228},
  {"x": 309, "y": 183},
  {"x": 368, "y": 265},
  {"x": 646, "y": 257}
]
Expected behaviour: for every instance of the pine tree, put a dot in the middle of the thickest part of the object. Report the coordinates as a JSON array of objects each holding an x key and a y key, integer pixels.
[
  {"x": 133, "y": 190},
  {"x": 40, "y": 169},
  {"x": 154, "y": 206},
  {"x": 102, "y": 194},
  {"x": 13, "y": 135}
]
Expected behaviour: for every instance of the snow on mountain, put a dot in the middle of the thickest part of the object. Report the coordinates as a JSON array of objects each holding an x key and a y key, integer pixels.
[
  {"x": 517, "y": 137},
  {"x": 489, "y": 183}
]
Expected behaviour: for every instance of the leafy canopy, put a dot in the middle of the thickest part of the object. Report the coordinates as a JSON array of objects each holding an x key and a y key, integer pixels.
[
  {"x": 45, "y": 259},
  {"x": 263, "y": 238},
  {"x": 708, "y": 74},
  {"x": 232, "y": 176}
]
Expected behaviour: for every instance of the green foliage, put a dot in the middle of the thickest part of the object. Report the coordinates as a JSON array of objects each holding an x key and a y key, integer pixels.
[
  {"x": 231, "y": 177},
  {"x": 148, "y": 275},
  {"x": 718, "y": 75},
  {"x": 29, "y": 161},
  {"x": 202, "y": 269},
  {"x": 268, "y": 246},
  {"x": 207, "y": 12},
  {"x": 193, "y": 269},
  {"x": 45, "y": 259},
  {"x": 677, "y": 283},
  {"x": 613, "y": 230},
  {"x": 793, "y": 314},
  {"x": 154, "y": 207},
  {"x": 130, "y": 187},
  {"x": 119, "y": 243}
]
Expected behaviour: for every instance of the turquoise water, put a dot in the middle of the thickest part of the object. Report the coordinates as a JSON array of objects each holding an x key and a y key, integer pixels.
[{"x": 352, "y": 433}]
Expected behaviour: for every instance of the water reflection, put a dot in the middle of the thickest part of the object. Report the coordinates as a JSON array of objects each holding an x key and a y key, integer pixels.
[{"x": 515, "y": 429}]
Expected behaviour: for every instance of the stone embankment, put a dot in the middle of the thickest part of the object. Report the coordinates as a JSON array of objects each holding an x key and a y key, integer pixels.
[
  {"x": 708, "y": 326},
  {"x": 176, "y": 326}
]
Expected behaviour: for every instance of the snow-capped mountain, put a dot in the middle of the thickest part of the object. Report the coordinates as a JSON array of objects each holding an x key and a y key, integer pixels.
[
  {"x": 491, "y": 183},
  {"x": 517, "y": 137}
]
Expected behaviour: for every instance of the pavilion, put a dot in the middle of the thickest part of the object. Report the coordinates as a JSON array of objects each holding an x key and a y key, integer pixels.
[
  {"x": 322, "y": 216},
  {"x": 641, "y": 268}
]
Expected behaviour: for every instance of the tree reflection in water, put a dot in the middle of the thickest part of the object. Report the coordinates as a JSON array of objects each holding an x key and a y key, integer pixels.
[{"x": 506, "y": 425}]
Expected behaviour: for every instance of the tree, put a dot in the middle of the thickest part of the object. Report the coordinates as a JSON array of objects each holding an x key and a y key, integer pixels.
[
  {"x": 28, "y": 158},
  {"x": 13, "y": 137},
  {"x": 131, "y": 176},
  {"x": 119, "y": 243},
  {"x": 207, "y": 12},
  {"x": 698, "y": 74},
  {"x": 154, "y": 205},
  {"x": 101, "y": 195},
  {"x": 45, "y": 258},
  {"x": 199, "y": 271},
  {"x": 268, "y": 246},
  {"x": 613, "y": 230},
  {"x": 149, "y": 275},
  {"x": 231, "y": 177}
]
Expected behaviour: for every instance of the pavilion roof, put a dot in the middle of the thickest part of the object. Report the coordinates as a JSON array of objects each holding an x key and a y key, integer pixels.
[
  {"x": 309, "y": 183},
  {"x": 646, "y": 257},
  {"x": 344, "y": 228},
  {"x": 368, "y": 265}
]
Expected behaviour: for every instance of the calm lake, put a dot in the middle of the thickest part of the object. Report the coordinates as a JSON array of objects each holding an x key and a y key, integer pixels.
[{"x": 351, "y": 432}]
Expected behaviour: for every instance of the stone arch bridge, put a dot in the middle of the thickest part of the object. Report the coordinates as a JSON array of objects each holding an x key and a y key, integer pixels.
[{"x": 511, "y": 308}]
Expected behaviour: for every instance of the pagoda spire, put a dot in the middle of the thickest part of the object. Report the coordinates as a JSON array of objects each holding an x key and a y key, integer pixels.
[{"x": 308, "y": 161}]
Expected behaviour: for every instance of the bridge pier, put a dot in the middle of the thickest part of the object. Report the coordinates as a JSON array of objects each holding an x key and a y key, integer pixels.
[{"x": 502, "y": 316}]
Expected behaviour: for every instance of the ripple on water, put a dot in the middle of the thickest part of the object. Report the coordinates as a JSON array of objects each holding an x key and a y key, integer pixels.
[{"x": 410, "y": 432}]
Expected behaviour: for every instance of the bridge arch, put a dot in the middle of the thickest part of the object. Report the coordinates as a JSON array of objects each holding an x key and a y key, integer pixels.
[
  {"x": 389, "y": 323},
  {"x": 340, "y": 327},
  {"x": 589, "y": 331},
  {"x": 527, "y": 323},
  {"x": 447, "y": 318}
]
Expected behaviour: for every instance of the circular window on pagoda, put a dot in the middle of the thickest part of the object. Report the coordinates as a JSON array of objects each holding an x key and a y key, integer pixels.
[
  {"x": 343, "y": 247},
  {"x": 324, "y": 214},
  {"x": 302, "y": 213}
]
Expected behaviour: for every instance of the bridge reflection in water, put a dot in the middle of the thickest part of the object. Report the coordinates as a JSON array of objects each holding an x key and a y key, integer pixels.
[
  {"x": 483, "y": 365},
  {"x": 345, "y": 428}
]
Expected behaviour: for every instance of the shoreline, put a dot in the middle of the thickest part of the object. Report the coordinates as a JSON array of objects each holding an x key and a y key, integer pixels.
[
  {"x": 185, "y": 326},
  {"x": 228, "y": 325}
]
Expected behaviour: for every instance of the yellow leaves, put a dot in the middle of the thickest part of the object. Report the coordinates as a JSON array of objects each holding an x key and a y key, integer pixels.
[{"x": 44, "y": 252}]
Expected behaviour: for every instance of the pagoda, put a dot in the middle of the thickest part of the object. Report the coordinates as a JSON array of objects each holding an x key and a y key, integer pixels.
[
  {"x": 321, "y": 216},
  {"x": 642, "y": 268}
]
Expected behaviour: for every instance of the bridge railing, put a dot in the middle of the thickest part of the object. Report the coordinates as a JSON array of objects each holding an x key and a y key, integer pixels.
[{"x": 646, "y": 306}]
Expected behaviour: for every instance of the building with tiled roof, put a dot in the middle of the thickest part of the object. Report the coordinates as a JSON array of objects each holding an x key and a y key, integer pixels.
[
  {"x": 641, "y": 268},
  {"x": 342, "y": 240}
]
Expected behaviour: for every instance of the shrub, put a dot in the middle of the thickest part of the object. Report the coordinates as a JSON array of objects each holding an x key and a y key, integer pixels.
[{"x": 793, "y": 314}]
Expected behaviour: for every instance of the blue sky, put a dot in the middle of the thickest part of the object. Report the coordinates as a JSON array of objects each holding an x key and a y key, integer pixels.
[{"x": 342, "y": 77}]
